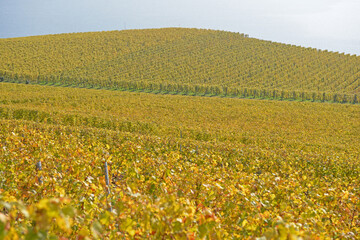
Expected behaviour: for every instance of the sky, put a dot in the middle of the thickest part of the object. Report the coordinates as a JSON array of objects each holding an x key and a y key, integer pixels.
[{"x": 325, "y": 24}]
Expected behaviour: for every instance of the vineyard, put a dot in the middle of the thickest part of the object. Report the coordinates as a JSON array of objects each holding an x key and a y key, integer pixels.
[
  {"x": 179, "y": 167},
  {"x": 182, "y": 61}
]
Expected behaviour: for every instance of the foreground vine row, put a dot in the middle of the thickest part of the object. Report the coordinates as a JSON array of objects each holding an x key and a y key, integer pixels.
[{"x": 180, "y": 167}]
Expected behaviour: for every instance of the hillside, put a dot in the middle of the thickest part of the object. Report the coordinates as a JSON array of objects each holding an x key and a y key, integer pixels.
[
  {"x": 189, "y": 61},
  {"x": 180, "y": 167}
]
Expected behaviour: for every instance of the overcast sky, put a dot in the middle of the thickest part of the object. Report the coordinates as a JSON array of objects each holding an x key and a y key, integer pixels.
[{"x": 324, "y": 24}]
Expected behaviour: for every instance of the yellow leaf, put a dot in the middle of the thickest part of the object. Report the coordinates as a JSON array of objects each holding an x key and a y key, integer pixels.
[
  {"x": 84, "y": 232},
  {"x": 61, "y": 191},
  {"x": 244, "y": 223}
]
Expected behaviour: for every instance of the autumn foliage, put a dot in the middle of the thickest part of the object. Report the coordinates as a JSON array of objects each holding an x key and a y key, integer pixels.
[
  {"x": 179, "y": 167},
  {"x": 182, "y": 61}
]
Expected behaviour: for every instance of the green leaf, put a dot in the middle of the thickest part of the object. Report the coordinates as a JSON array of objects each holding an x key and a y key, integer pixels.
[
  {"x": 203, "y": 230},
  {"x": 96, "y": 229}
]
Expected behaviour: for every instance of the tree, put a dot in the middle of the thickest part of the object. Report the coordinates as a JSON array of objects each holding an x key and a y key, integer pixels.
[
  {"x": 335, "y": 98},
  {"x": 344, "y": 100},
  {"x": 355, "y": 99}
]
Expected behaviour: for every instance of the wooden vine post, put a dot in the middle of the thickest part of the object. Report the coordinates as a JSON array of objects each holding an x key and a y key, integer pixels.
[
  {"x": 107, "y": 183},
  {"x": 39, "y": 168}
]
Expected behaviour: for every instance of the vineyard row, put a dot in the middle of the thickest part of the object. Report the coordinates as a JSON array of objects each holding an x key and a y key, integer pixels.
[{"x": 195, "y": 90}]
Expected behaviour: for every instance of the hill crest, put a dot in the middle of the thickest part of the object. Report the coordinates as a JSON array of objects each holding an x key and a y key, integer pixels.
[{"x": 197, "y": 61}]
